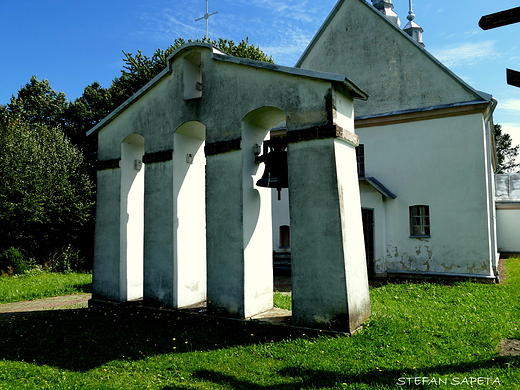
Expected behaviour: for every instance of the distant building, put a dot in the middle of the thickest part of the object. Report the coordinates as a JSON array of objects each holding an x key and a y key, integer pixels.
[{"x": 508, "y": 213}]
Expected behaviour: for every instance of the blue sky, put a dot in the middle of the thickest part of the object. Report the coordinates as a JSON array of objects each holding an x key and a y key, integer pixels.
[{"x": 73, "y": 43}]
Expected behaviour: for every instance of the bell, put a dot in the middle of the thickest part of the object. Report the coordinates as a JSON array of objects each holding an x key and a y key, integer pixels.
[{"x": 275, "y": 174}]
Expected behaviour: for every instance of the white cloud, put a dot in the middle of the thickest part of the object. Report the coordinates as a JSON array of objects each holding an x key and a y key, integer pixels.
[
  {"x": 510, "y": 105},
  {"x": 291, "y": 9},
  {"x": 513, "y": 129},
  {"x": 466, "y": 53}
]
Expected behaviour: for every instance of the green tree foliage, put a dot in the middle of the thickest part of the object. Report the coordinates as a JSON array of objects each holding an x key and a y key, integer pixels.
[
  {"x": 37, "y": 102},
  {"x": 46, "y": 196},
  {"x": 506, "y": 153}
]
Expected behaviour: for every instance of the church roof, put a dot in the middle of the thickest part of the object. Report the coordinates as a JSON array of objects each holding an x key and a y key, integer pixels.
[{"x": 397, "y": 72}]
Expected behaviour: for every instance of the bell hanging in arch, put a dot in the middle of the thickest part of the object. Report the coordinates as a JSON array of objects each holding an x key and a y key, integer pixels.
[{"x": 275, "y": 158}]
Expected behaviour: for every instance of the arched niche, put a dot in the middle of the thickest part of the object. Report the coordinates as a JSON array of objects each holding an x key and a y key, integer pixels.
[
  {"x": 190, "y": 213},
  {"x": 132, "y": 217},
  {"x": 257, "y": 220}
]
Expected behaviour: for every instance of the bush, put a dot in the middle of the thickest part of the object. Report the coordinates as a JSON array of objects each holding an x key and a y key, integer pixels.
[
  {"x": 12, "y": 262},
  {"x": 66, "y": 259}
]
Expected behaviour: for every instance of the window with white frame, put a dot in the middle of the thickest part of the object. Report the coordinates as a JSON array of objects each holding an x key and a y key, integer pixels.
[{"x": 419, "y": 221}]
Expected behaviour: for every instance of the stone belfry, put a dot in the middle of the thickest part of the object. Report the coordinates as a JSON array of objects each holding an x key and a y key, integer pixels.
[{"x": 387, "y": 8}]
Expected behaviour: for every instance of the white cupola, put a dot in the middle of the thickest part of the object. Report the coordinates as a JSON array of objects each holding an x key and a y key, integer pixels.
[{"x": 387, "y": 8}]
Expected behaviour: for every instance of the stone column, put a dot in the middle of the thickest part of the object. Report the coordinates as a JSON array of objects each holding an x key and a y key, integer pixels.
[
  {"x": 107, "y": 272},
  {"x": 159, "y": 244},
  {"x": 329, "y": 273},
  {"x": 240, "y": 280}
]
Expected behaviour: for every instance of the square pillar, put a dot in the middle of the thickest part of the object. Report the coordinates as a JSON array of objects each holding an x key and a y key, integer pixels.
[
  {"x": 238, "y": 231},
  {"x": 174, "y": 238},
  {"x": 159, "y": 244},
  {"x": 106, "y": 275},
  {"x": 329, "y": 272}
]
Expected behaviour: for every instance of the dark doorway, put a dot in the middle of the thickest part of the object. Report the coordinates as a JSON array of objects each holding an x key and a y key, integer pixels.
[{"x": 368, "y": 231}]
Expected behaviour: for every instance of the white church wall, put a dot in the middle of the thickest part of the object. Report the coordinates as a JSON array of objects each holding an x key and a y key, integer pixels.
[{"x": 438, "y": 163}]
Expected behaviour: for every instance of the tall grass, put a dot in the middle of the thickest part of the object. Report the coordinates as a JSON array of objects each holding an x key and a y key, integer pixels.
[
  {"x": 42, "y": 285},
  {"x": 439, "y": 335}
]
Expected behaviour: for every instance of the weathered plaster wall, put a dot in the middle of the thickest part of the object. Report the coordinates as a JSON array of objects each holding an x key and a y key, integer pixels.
[
  {"x": 450, "y": 180},
  {"x": 325, "y": 213},
  {"x": 360, "y": 42}
]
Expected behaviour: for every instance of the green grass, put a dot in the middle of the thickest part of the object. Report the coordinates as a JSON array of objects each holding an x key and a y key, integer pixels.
[
  {"x": 42, "y": 285},
  {"x": 417, "y": 330}
]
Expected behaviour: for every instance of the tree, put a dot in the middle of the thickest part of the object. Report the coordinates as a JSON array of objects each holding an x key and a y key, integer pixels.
[
  {"x": 506, "y": 153},
  {"x": 47, "y": 191},
  {"x": 46, "y": 196},
  {"x": 37, "y": 102}
]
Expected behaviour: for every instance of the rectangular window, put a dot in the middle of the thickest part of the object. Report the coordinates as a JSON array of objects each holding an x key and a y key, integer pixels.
[
  {"x": 419, "y": 221},
  {"x": 285, "y": 237}
]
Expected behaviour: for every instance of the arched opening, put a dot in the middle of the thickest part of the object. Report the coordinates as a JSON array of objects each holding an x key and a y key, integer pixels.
[
  {"x": 190, "y": 214},
  {"x": 132, "y": 217},
  {"x": 258, "y": 227}
]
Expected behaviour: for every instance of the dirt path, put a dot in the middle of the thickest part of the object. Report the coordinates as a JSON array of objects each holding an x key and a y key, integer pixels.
[{"x": 64, "y": 302}]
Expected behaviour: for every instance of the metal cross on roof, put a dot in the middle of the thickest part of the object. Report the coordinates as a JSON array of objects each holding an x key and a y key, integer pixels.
[{"x": 206, "y": 16}]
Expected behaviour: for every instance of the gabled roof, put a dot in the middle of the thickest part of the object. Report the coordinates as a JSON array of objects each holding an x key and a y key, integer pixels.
[
  {"x": 397, "y": 72},
  {"x": 378, "y": 186},
  {"x": 218, "y": 55}
]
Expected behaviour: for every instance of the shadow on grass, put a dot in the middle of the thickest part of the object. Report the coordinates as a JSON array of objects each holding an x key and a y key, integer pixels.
[
  {"x": 301, "y": 378},
  {"x": 83, "y": 339},
  {"x": 84, "y": 287}
]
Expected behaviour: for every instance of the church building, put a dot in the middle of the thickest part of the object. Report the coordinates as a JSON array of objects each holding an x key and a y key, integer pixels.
[{"x": 426, "y": 156}]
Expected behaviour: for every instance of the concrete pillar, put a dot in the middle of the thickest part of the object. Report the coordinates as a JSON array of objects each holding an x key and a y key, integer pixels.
[
  {"x": 106, "y": 276},
  {"x": 175, "y": 239},
  {"x": 329, "y": 273},
  {"x": 132, "y": 217},
  {"x": 238, "y": 224},
  {"x": 159, "y": 244}
]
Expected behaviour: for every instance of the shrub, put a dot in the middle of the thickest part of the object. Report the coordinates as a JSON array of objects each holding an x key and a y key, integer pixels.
[
  {"x": 66, "y": 259},
  {"x": 12, "y": 262}
]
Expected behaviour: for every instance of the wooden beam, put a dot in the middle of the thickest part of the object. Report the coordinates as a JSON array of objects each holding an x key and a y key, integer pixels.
[
  {"x": 500, "y": 19},
  {"x": 513, "y": 77}
]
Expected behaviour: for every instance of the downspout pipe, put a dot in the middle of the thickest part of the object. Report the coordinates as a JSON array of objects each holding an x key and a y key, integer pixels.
[{"x": 489, "y": 129}]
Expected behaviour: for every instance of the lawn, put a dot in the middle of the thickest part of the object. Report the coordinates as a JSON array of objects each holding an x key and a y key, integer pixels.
[
  {"x": 42, "y": 285},
  {"x": 421, "y": 335}
]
